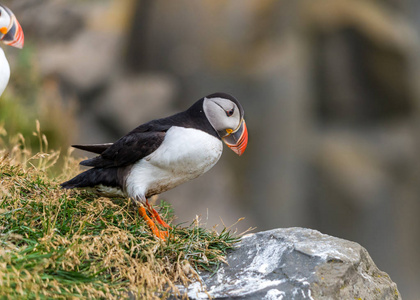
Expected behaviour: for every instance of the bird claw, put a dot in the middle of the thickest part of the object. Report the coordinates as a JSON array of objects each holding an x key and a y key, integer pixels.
[
  {"x": 163, "y": 235},
  {"x": 156, "y": 216}
]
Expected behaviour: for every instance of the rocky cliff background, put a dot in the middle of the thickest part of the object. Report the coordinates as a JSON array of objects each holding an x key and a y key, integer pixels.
[{"x": 331, "y": 91}]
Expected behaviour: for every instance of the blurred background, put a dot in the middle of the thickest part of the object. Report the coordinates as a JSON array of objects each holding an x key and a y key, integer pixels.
[{"x": 330, "y": 88}]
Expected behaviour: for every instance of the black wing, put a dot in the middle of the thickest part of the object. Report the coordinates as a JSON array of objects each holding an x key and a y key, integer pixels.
[{"x": 127, "y": 150}]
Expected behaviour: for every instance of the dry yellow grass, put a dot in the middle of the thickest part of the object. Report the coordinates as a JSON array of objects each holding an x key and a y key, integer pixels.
[{"x": 56, "y": 243}]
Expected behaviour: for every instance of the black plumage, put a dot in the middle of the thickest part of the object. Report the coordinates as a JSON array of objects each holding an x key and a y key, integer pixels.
[
  {"x": 92, "y": 177},
  {"x": 114, "y": 159},
  {"x": 164, "y": 153}
]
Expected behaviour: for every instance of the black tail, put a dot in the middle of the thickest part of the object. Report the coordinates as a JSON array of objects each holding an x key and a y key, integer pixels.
[
  {"x": 93, "y": 177},
  {"x": 95, "y": 148}
]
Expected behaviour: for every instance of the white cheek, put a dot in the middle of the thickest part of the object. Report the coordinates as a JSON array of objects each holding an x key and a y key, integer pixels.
[
  {"x": 215, "y": 111},
  {"x": 4, "y": 19},
  {"x": 231, "y": 122}
]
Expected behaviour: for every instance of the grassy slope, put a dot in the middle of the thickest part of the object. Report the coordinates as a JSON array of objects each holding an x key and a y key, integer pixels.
[{"x": 74, "y": 244}]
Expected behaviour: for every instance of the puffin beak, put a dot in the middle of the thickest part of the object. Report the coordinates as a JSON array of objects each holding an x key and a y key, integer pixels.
[
  {"x": 238, "y": 140},
  {"x": 14, "y": 35}
]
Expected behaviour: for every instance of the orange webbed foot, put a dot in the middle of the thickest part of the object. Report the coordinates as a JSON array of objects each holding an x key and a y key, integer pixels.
[
  {"x": 163, "y": 235},
  {"x": 156, "y": 216}
]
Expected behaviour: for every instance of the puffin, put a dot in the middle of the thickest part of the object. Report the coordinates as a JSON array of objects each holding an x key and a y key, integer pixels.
[
  {"x": 11, "y": 34},
  {"x": 164, "y": 153}
]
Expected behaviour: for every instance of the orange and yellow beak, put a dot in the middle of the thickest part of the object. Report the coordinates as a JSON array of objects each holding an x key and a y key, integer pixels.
[
  {"x": 13, "y": 35},
  {"x": 238, "y": 139}
]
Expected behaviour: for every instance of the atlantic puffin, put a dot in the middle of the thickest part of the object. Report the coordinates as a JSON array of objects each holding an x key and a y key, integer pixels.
[
  {"x": 11, "y": 34},
  {"x": 164, "y": 153}
]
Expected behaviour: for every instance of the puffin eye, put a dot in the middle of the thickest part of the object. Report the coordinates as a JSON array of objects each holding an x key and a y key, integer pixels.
[{"x": 230, "y": 112}]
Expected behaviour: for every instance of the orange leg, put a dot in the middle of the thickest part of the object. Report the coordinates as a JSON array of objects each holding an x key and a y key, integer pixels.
[
  {"x": 156, "y": 216},
  {"x": 160, "y": 234}
]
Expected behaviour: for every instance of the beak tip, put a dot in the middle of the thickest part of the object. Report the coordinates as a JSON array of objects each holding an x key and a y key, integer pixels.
[{"x": 19, "y": 45}]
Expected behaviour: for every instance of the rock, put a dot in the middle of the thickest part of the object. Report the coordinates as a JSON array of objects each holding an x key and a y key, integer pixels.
[{"x": 296, "y": 263}]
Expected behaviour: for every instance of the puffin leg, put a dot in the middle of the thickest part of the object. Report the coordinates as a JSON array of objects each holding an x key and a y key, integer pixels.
[
  {"x": 160, "y": 234},
  {"x": 156, "y": 215}
]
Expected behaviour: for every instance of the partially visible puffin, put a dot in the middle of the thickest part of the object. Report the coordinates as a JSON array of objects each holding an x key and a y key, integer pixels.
[
  {"x": 11, "y": 34},
  {"x": 161, "y": 154}
]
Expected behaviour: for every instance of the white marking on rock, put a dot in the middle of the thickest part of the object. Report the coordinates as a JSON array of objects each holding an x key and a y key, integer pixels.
[
  {"x": 267, "y": 257},
  {"x": 244, "y": 286},
  {"x": 274, "y": 294},
  {"x": 196, "y": 291}
]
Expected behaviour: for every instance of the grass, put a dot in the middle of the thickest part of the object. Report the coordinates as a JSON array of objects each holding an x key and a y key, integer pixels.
[{"x": 56, "y": 243}]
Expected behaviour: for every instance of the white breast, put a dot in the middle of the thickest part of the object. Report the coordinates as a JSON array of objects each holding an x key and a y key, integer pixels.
[
  {"x": 184, "y": 155},
  {"x": 4, "y": 71}
]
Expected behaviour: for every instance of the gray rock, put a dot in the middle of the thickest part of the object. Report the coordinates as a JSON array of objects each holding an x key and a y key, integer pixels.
[{"x": 296, "y": 263}]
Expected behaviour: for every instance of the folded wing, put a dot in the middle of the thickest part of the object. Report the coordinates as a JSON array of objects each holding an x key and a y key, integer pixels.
[{"x": 127, "y": 150}]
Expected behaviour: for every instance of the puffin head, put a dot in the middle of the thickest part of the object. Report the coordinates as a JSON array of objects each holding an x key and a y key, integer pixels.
[
  {"x": 11, "y": 32},
  {"x": 226, "y": 115}
]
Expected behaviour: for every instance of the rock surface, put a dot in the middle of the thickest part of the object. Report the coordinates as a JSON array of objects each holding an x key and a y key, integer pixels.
[{"x": 296, "y": 263}]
